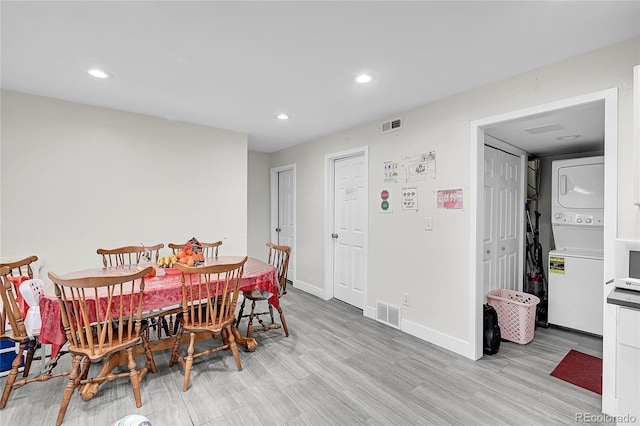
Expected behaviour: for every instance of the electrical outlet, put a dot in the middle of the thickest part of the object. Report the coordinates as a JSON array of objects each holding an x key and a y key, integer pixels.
[{"x": 406, "y": 299}]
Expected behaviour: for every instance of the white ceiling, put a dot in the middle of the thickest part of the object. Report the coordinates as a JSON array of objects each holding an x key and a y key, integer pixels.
[
  {"x": 539, "y": 134},
  {"x": 236, "y": 64}
]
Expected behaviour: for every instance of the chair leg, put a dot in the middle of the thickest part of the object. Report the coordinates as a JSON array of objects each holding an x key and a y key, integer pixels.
[
  {"x": 74, "y": 381},
  {"x": 30, "y": 353},
  {"x": 251, "y": 316},
  {"x": 176, "y": 344},
  {"x": 283, "y": 321},
  {"x": 244, "y": 299},
  {"x": 189, "y": 361},
  {"x": 86, "y": 365},
  {"x": 165, "y": 327},
  {"x": 234, "y": 347},
  {"x": 271, "y": 313},
  {"x": 149, "y": 355},
  {"x": 13, "y": 374},
  {"x": 134, "y": 376}
]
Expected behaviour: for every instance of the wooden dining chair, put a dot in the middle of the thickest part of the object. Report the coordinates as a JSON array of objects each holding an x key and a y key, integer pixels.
[
  {"x": 19, "y": 271},
  {"x": 279, "y": 258},
  {"x": 208, "y": 249},
  {"x": 12, "y": 328},
  {"x": 209, "y": 295},
  {"x": 101, "y": 318},
  {"x": 130, "y": 255}
]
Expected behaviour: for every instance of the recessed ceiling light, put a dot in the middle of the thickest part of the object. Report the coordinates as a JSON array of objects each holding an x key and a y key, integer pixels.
[
  {"x": 282, "y": 117},
  {"x": 364, "y": 78},
  {"x": 568, "y": 137},
  {"x": 98, "y": 73}
]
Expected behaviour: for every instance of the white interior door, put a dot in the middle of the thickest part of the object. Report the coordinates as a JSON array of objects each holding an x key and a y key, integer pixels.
[
  {"x": 285, "y": 228},
  {"x": 349, "y": 234},
  {"x": 489, "y": 240},
  {"x": 503, "y": 220}
]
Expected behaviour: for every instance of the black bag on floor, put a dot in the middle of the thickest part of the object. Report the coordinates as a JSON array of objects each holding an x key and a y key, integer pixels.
[{"x": 492, "y": 335}]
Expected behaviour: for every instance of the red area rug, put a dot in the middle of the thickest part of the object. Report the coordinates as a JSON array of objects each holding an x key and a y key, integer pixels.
[{"x": 581, "y": 370}]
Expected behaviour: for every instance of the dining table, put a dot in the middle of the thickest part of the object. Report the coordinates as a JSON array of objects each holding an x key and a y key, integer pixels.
[{"x": 162, "y": 297}]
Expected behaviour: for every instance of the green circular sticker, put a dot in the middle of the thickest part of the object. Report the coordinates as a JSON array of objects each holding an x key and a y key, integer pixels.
[{"x": 385, "y": 205}]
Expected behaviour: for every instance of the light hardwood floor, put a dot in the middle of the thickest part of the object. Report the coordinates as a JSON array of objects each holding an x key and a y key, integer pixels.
[{"x": 337, "y": 368}]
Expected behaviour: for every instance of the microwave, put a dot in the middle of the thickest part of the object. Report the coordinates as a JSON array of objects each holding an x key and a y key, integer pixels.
[{"x": 632, "y": 281}]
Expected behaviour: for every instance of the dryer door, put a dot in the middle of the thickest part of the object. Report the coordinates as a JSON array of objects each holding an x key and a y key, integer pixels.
[{"x": 581, "y": 186}]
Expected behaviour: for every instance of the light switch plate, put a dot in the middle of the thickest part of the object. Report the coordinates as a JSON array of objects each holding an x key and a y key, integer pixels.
[{"x": 428, "y": 224}]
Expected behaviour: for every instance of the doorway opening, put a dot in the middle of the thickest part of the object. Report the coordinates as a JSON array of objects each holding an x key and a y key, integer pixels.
[{"x": 606, "y": 103}]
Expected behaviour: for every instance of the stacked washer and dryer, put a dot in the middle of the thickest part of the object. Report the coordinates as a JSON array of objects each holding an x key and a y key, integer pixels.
[{"x": 576, "y": 267}]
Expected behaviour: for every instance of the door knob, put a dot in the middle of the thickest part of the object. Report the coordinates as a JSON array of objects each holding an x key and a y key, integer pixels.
[
  {"x": 335, "y": 236},
  {"x": 278, "y": 229}
]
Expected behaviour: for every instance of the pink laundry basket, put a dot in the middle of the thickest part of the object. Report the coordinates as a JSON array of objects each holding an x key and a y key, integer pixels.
[{"x": 516, "y": 314}]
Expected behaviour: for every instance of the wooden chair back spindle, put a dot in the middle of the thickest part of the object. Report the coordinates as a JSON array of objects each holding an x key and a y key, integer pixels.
[
  {"x": 130, "y": 255},
  {"x": 208, "y": 249}
]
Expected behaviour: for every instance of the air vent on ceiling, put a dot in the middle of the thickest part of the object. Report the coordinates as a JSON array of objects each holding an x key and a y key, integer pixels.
[
  {"x": 544, "y": 129},
  {"x": 392, "y": 125},
  {"x": 388, "y": 314}
]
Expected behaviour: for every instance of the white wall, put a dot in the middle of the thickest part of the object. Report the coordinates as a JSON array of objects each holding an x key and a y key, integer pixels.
[
  {"x": 77, "y": 177},
  {"x": 433, "y": 266},
  {"x": 258, "y": 226}
]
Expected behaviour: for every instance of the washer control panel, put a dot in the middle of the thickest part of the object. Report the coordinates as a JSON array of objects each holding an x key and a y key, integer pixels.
[{"x": 575, "y": 218}]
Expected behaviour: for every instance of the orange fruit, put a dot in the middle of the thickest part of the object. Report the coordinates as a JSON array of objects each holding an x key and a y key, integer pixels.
[
  {"x": 181, "y": 254},
  {"x": 189, "y": 252},
  {"x": 190, "y": 261}
]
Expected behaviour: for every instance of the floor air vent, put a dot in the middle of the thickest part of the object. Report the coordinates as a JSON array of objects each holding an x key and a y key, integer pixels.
[
  {"x": 392, "y": 126},
  {"x": 389, "y": 315}
]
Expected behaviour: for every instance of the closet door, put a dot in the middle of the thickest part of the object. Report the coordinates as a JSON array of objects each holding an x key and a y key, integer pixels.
[{"x": 502, "y": 219}]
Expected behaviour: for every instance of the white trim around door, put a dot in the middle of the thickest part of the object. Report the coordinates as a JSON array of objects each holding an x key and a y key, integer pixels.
[{"x": 329, "y": 209}]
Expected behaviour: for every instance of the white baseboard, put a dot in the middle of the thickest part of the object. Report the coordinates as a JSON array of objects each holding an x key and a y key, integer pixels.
[
  {"x": 452, "y": 344},
  {"x": 311, "y": 289}
]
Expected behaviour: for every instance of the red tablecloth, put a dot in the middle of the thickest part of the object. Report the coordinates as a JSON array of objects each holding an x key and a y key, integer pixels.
[{"x": 159, "y": 292}]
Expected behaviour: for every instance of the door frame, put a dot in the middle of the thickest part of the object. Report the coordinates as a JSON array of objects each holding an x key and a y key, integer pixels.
[
  {"x": 274, "y": 211},
  {"x": 476, "y": 297},
  {"x": 329, "y": 209},
  {"x": 523, "y": 157}
]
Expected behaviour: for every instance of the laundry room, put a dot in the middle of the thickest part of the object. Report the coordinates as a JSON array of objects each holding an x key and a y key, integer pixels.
[{"x": 564, "y": 212}]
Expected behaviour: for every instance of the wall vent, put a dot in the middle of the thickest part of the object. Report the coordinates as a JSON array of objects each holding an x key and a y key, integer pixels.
[
  {"x": 392, "y": 125},
  {"x": 388, "y": 314}
]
